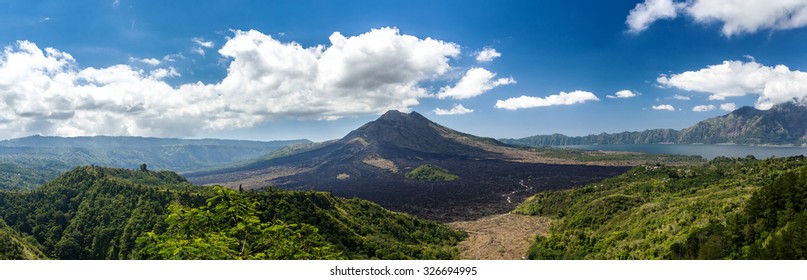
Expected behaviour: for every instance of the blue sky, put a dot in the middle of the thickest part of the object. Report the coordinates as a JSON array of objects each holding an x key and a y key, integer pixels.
[{"x": 253, "y": 69}]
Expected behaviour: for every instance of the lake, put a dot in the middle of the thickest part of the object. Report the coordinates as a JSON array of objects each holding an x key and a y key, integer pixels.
[{"x": 704, "y": 150}]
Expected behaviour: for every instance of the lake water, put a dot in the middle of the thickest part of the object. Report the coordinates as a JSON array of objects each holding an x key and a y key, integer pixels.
[{"x": 706, "y": 151}]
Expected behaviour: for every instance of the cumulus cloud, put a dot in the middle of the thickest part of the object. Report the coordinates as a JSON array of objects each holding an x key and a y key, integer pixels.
[
  {"x": 664, "y": 107},
  {"x": 458, "y": 109},
  {"x": 622, "y": 94},
  {"x": 703, "y": 108},
  {"x": 487, "y": 54},
  {"x": 736, "y": 16},
  {"x": 644, "y": 14},
  {"x": 681, "y": 97},
  {"x": 562, "y": 98},
  {"x": 728, "y": 107},
  {"x": 773, "y": 84},
  {"x": 476, "y": 81},
  {"x": 46, "y": 92}
]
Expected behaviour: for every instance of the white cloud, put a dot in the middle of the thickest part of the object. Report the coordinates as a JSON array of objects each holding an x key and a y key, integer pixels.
[
  {"x": 198, "y": 50},
  {"x": 666, "y": 107},
  {"x": 46, "y": 92},
  {"x": 749, "y": 16},
  {"x": 773, "y": 85},
  {"x": 728, "y": 107},
  {"x": 162, "y": 73},
  {"x": 149, "y": 61},
  {"x": 487, "y": 54},
  {"x": 173, "y": 57},
  {"x": 644, "y": 14},
  {"x": 202, "y": 43},
  {"x": 622, "y": 94},
  {"x": 562, "y": 98},
  {"x": 476, "y": 81},
  {"x": 703, "y": 108},
  {"x": 681, "y": 97},
  {"x": 458, "y": 109},
  {"x": 736, "y": 16}
]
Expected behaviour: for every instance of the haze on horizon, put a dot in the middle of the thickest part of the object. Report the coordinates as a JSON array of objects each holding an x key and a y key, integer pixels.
[{"x": 264, "y": 70}]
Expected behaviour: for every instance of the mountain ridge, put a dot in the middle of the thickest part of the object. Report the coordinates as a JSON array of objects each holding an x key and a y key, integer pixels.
[
  {"x": 30, "y": 161},
  {"x": 783, "y": 124}
]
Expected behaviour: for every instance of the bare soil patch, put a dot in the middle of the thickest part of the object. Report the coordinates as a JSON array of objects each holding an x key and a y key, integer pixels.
[{"x": 500, "y": 237}]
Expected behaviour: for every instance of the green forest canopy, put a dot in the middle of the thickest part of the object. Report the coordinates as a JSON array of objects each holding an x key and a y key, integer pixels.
[
  {"x": 727, "y": 209},
  {"x": 110, "y": 213}
]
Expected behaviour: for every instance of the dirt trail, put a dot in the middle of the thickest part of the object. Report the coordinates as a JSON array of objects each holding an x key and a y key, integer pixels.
[{"x": 500, "y": 237}]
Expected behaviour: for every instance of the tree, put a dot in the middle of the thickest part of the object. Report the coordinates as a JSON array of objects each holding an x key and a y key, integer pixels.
[
  {"x": 229, "y": 228},
  {"x": 143, "y": 167}
]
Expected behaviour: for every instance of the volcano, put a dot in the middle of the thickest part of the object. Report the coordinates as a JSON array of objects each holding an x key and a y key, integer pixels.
[{"x": 372, "y": 162}]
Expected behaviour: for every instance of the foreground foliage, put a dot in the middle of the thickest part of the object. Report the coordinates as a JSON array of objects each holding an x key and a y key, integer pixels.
[
  {"x": 729, "y": 208},
  {"x": 16, "y": 246},
  {"x": 107, "y": 213}
]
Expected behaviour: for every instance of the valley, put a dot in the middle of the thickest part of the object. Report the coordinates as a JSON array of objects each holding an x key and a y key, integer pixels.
[{"x": 402, "y": 182}]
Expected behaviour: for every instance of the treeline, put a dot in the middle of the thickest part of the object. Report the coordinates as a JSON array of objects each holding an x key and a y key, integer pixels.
[
  {"x": 107, "y": 213},
  {"x": 729, "y": 208},
  {"x": 622, "y": 138}
]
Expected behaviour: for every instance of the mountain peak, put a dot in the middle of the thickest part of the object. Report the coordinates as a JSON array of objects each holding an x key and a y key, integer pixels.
[
  {"x": 410, "y": 131},
  {"x": 396, "y": 116},
  {"x": 392, "y": 114}
]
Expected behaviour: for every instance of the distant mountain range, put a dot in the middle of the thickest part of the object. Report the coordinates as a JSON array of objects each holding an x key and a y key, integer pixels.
[
  {"x": 783, "y": 124},
  {"x": 466, "y": 177},
  {"x": 30, "y": 161}
]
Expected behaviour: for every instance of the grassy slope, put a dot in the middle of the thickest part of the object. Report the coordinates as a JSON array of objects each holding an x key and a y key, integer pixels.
[{"x": 642, "y": 213}]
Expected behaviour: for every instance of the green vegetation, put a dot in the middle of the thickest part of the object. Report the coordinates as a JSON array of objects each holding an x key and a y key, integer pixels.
[
  {"x": 640, "y": 137},
  {"x": 93, "y": 212},
  {"x": 360, "y": 228},
  {"x": 430, "y": 173},
  {"x": 15, "y": 246},
  {"x": 729, "y": 208},
  {"x": 772, "y": 226},
  {"x": 228, "y": 228},
  {"x": 108, "y": 213},
  {"x": 14, "y": 176}
]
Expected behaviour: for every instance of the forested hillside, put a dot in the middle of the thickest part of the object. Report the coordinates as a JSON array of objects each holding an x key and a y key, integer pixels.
[
  {"x": 729, "y": 208},
  {"x": 15, "y": 246},
  {"x": 108, "y": 213}
]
